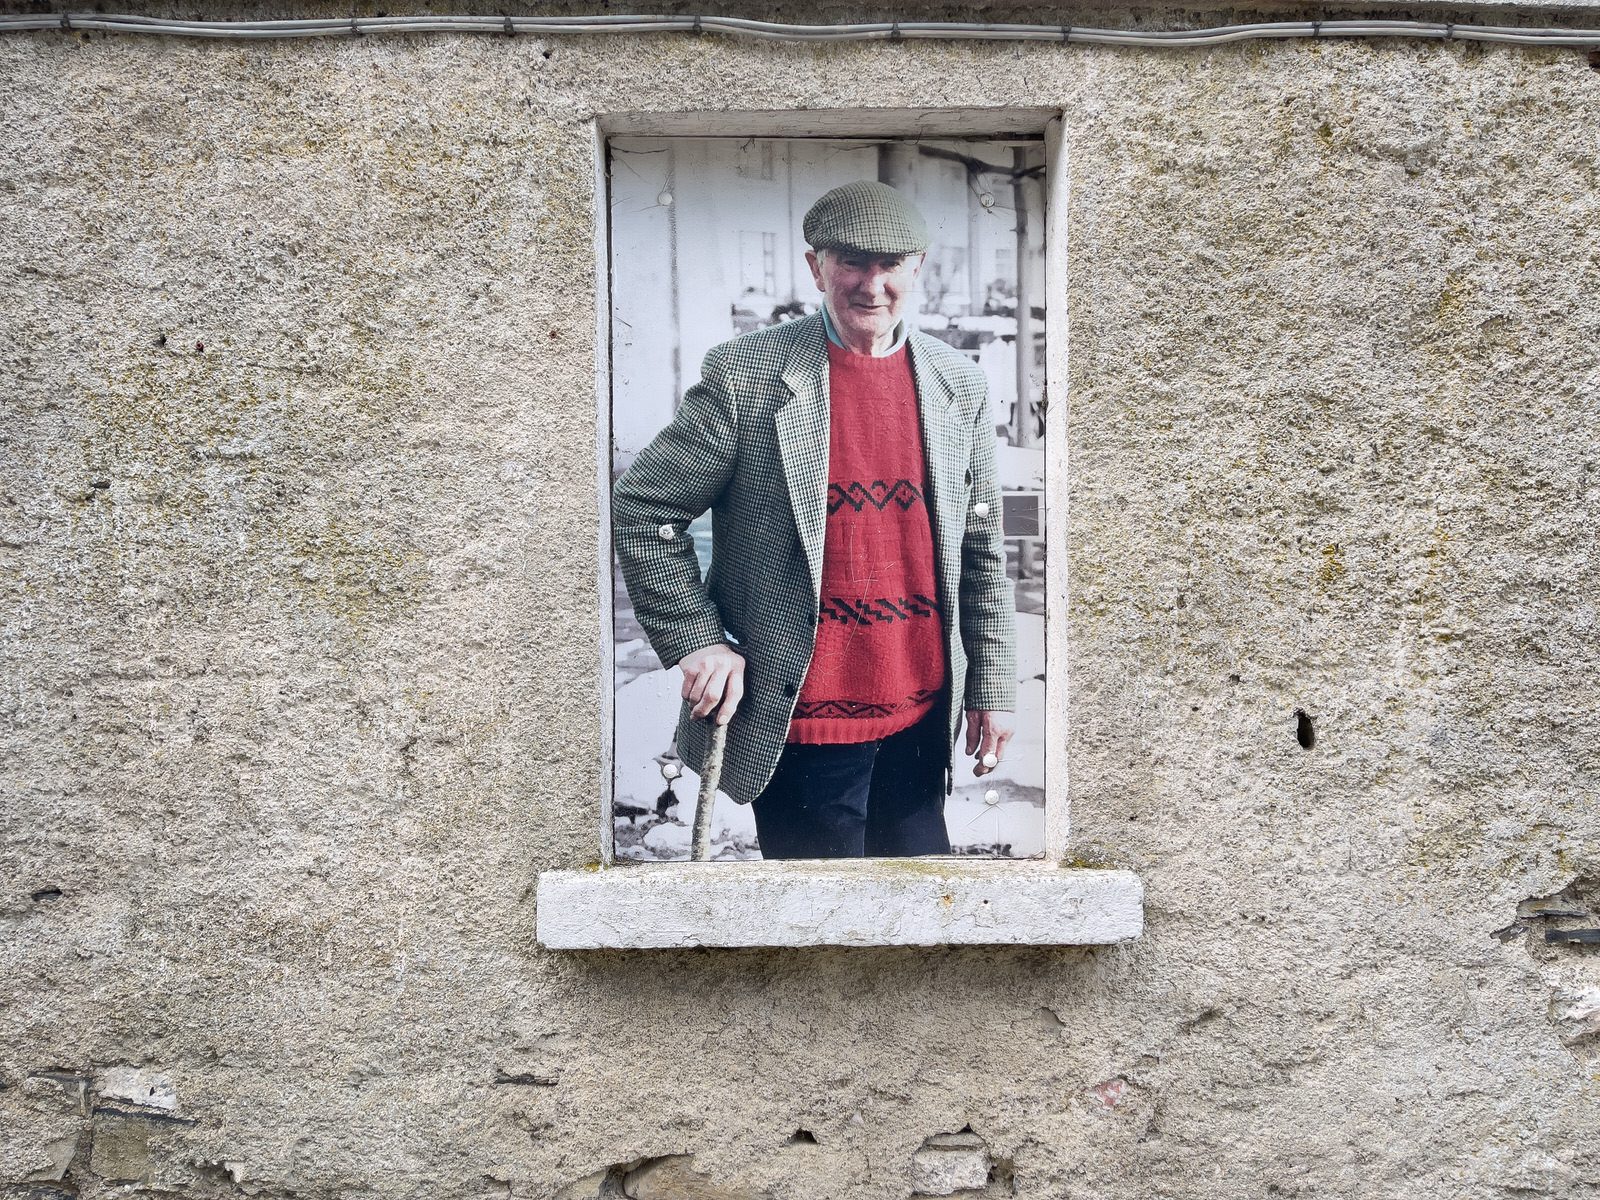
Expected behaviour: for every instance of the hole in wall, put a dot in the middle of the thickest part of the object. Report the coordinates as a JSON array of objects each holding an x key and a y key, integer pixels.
[
  {"x": 1304, "y": 732},
  {"x": 802, "y": 1137}
]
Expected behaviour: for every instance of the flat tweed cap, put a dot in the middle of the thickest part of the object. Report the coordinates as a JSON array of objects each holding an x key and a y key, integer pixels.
[{"x": 866, "y": 216}]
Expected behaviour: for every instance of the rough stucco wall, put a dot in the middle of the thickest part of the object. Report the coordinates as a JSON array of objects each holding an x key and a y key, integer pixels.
[{"x": 300, "y": 669}]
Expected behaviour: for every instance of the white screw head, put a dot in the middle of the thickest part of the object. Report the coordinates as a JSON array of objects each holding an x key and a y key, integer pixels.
[
  {"x": 986, "y": 199},
  {"x": 670, "y": 770},
  {"x": 664, "y": 199},
  {"x": 981, "y": 508},
  {"x": 991, "y": 759},
  {"x": 667, "y": 533},
  {"x": 991, "y": 797}
]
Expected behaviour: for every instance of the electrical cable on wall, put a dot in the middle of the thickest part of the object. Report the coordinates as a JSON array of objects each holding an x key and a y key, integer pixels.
[{"x": 896, "y": 31}]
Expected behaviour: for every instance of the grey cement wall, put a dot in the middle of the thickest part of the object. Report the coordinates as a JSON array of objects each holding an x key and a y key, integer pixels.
[{"x": 297, "y": 549}]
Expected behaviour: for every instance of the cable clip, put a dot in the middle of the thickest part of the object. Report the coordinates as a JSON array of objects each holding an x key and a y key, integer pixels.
[
  {"x": 511, "y": 30},
  {"x": 1449, "y": 31},
  {"x": 66, "y": 23},
  {"x": 894, "y": 31},
  {"x": 697, "y": 31},
  {"x": 1316, "y": 29},
  {"x": 1066, "y": 33},
  {"x": 355, "y": 30}
]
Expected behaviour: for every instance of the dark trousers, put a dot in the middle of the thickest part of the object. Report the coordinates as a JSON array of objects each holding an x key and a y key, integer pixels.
[{"x": 883, "y": 799}]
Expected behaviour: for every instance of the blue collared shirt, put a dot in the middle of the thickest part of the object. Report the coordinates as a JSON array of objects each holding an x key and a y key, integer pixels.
[{"x": 902, "y": 331}]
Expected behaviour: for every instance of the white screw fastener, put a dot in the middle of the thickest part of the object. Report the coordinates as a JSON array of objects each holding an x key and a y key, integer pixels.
[
  {"x": 667, "y": 533},
  {"x": 991, "y": 759},
  {"x": 981, "y": 508},
  {"x": 991, "y": 797},
  {"x": 670, "y": 770}
]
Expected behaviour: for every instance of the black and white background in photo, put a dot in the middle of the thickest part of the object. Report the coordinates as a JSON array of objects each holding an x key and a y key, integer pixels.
[{"x": 705, "y": 245}]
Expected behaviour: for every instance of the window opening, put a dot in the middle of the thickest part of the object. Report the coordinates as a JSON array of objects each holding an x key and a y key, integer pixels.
[{"x": 705, "y": 245}]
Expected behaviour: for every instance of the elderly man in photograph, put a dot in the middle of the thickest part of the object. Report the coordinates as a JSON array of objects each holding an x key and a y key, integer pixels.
[{"x": 857, "y": 605}]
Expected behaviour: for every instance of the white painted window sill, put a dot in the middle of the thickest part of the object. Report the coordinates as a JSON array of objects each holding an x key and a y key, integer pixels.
[{"x": 872, "y": 902}]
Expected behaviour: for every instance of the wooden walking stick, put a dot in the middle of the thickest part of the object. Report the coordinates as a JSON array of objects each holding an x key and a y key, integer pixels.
[{"x": 710, "y": 775}]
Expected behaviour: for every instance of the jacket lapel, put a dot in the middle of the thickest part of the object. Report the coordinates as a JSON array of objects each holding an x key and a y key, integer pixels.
[
  {"x": 946, "y": 460},
  {"x": 803, "y": 440}
]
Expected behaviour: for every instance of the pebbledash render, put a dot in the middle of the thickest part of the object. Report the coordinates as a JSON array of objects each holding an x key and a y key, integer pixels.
[{"x": 303, "y": 686}]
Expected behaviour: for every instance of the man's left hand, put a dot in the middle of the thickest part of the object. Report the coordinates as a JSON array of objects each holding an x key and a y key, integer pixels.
[{"x": 988, "y": 731}]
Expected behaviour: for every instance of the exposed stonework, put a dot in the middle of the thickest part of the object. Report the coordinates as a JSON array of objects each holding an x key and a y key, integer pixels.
[
  {"x": 1561, "y": 933},
  {"x": 299, "y": 655},
  {"x": 141, "y": 1088},
  {"x": 950, "y": 1164}
]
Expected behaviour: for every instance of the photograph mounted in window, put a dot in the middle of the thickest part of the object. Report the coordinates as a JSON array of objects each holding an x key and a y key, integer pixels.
[{"x": 828, "y": 519}]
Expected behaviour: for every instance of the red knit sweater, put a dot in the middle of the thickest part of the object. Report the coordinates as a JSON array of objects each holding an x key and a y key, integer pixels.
[{"x": 879, "y": 663}]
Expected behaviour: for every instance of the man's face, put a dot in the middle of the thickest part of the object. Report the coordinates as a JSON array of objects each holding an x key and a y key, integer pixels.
[{"x": 865, "y": 291}]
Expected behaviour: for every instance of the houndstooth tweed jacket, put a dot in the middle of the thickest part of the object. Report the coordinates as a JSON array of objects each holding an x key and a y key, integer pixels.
[{"x": 750, "y": 442}]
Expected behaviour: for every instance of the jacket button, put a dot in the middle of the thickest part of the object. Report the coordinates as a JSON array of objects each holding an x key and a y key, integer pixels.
[
  {"x": 789, "y": 689},
  {"x": 667, "y": 533},
  {"x": 981, "y": 508}
]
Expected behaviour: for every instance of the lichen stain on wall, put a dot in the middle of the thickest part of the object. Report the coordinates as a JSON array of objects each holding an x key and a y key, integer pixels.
[{"x": 197, "y": 468}]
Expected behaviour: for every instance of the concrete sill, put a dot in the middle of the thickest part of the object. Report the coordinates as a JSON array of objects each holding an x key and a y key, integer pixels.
[{"x": 872, "y": 902}]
